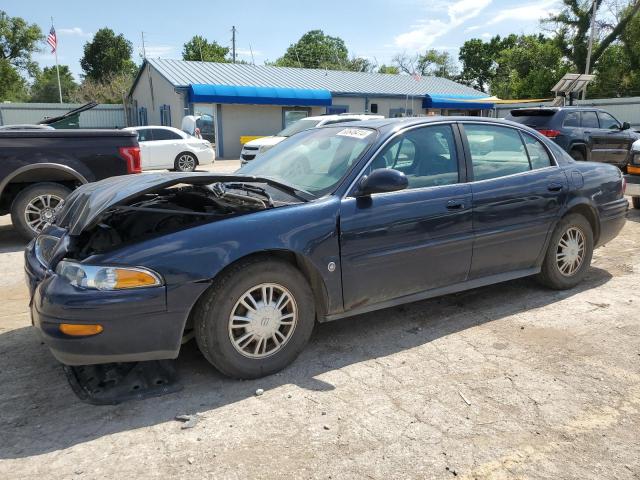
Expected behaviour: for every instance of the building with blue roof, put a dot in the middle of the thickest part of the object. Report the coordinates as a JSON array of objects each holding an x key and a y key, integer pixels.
[{"x": 247, "y": 101}]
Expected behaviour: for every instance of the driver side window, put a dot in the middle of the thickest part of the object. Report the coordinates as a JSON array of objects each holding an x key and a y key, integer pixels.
[{"x": 427, "y": 156}]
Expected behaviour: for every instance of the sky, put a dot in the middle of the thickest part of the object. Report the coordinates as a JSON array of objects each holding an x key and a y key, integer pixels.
[{"x": 374, "y": 29}]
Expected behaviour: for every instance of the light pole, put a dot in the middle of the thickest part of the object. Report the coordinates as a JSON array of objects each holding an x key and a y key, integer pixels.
[{"x": 593, "y": 31}]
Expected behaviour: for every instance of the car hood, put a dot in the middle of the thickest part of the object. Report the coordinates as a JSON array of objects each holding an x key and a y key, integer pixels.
[
  {"x": 84, "y": 207},
  {"x": 260, "y": 142}
]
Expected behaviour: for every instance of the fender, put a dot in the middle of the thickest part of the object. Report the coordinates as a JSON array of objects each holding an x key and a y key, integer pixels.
[{"x": 41, "y": 166}]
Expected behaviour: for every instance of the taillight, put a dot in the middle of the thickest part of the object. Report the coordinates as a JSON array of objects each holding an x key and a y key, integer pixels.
[
  {"x": 131, "y": 155},
  {"x": 549, "y": 133}
]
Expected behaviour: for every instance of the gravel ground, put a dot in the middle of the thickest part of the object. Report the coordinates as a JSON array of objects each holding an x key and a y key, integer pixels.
[{"x": 507, "y": 381}]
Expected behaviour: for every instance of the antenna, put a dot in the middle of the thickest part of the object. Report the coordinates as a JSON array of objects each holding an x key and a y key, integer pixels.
[
  {"x": 144, "y": 50},
  {"x": 233, "y": 43}
]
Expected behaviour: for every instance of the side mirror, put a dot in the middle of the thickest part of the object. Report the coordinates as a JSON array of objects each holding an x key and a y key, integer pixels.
[
  {"x": 625, "y": 126},
  {"x": 381, "y": 181}
]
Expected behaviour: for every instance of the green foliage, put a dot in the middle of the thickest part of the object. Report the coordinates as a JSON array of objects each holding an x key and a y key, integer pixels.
[
  {"x": 316, "y": 50},
  {"x": 479, "y": 60},
  {"x": 18, "y": 41},
  {"x": 45, "y": 86},
  {"x": 113, "y": 89},
  {"x": 13, "y": 87},
  {"x": 432, "y": 63},
  {"x": 200, "y": 49},
  {"x": 106, "y": 55},
  {"x": 391, "y": 69}
]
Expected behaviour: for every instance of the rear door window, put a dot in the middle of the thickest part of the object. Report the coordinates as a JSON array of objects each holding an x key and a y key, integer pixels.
[
  {"x": 144, "y": 135},
  {"x": 590, "y": 120},
  {"x": 572, "y": 120},
  {"x": 538, "y": 155},
  {"x": 162, "y": 134}
]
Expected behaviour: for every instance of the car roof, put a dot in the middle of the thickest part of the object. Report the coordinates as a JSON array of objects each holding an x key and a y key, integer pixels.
[
  {"x": 339, "y": 116},
  {"x": 395, "y": 123},
  {"x": 577, "y": 108}
]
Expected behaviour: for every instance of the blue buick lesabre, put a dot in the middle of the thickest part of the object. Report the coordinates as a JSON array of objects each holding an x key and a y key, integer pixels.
[{"x": 332, "y": 222}]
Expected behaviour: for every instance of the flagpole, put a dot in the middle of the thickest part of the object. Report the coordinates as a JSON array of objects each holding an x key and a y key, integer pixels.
[{"x": 57, "y": 68}]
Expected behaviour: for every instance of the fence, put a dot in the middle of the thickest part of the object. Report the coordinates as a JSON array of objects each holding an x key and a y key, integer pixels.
[
  {"x": 102, "y": 116},
  {"x": 625, "y": 109}
]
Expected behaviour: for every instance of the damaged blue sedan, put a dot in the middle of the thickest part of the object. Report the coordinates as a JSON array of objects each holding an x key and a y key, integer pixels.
[{"x": 333, "y": 222}]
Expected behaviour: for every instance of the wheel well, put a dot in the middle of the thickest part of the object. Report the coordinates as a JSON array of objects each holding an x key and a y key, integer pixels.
[
  {"x": 298, "y": 261},
  {"x": 190, "y": 153},
  {"x": 581, "y": 147},
  {"x": 588, "y": 213}
]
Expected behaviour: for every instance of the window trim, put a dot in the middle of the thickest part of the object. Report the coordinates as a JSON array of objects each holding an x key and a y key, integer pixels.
[
  {"x": 582, "y": 112},
  {"x": 599, "y": 112}
]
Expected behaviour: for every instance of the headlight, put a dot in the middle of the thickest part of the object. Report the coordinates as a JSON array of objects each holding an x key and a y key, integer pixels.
[
  {"x": 44, "y": 248},
  {"x": 264, "y": 148},
  {"x": 99, "y": 277}
]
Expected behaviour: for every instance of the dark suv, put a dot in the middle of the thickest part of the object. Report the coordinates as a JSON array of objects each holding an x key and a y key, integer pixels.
[{"x": 586, "y": 133}]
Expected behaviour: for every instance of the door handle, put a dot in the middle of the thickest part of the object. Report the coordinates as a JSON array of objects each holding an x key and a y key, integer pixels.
[
  {"x": 455, "y": 205},
  {"x": 554, "y": 187}
]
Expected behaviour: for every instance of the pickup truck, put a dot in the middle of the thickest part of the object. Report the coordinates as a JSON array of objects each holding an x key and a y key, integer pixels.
[
  {"x": 632, "y": 178},
  {"x": 39, "y": 168}
]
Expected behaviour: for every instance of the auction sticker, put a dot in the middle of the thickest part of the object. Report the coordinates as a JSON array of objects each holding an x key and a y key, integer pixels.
[{"x": 355, "y": 132}]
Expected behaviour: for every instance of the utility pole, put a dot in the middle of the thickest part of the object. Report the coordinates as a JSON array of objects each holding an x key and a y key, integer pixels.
[
  {"x": 591, "y": 35},
  {"x": 144, "y": 50},
  {"x": 233, "y": 43}
]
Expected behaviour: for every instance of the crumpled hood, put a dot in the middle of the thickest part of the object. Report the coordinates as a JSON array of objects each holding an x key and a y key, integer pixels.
[{"x": 85, "y": 205}]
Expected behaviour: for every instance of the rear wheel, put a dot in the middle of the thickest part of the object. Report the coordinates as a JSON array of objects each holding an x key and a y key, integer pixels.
[
  {"x": 255, "y": 319},
  {"x": 569, "y": 253},
  {"x": 34, "y": 207},
  {"x": 636, "y": 202},
  {"x": 578, "y": 155},
  {"x": 185, "y": 162}
]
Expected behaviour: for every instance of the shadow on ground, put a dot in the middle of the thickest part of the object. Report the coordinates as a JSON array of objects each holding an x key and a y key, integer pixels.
[
  {"x": 10, "y": 241},
  {"x": 40, "y": 413}
]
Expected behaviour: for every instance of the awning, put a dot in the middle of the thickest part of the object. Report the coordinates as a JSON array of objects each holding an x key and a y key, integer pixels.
[
  {"x": 458, "y": 102},
  {"x": 258, "y": 95}
]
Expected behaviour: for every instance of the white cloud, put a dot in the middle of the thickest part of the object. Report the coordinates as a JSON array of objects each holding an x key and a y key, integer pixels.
[
  {"x": 74, "y": 31},
  {"x": 486, "y": 35},
  {"x": 154, "y": 51},
  {"x": 530, "y": 12},
  {"x": 425, "y": 33},
  {"x": 473, "y": 28},
  {"x": 247, "y": 52}
]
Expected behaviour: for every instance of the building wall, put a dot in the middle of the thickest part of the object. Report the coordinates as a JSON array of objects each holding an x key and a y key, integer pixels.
[
  {"x": 155, "y": 93},
  {"x": 102, "y": 116}
]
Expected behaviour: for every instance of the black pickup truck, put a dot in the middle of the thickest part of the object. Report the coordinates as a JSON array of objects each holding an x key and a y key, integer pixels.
[{"x": 39, "y": 168}]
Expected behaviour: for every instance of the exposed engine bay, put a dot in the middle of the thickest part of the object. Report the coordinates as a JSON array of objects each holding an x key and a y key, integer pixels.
[{"x": 171, "y": 209}]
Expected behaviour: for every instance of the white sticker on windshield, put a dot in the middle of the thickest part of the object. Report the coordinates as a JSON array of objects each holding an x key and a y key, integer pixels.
[{"x": 355, "y": 132}]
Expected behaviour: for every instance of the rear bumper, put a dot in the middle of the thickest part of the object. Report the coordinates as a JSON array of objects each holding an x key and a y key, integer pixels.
[
  {"x": 613, "y": 217},
  {"x": 633, "y": 185}
]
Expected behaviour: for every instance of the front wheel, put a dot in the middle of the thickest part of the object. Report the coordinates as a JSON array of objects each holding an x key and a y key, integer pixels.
[
  {"x": 185, "y": 162},
  {"x": 569, "y": 253},
  {"x": 255, "y": 319},
  {"x": 35, "y": 207}
]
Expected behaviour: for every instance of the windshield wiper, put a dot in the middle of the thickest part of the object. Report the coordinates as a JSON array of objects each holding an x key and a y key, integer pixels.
[{"x": 293, "y": 191}]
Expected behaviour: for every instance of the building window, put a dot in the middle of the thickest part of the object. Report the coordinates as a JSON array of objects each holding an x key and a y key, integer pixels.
[
  {"x": 374, "y": 108},
  {"x": 293, "y": 114},
  {"x": 337, "y": 109},
  {"x": 400, "y": 112},
  {"x": 165, "y": 115},
  {"x": 142, "y": 116}
]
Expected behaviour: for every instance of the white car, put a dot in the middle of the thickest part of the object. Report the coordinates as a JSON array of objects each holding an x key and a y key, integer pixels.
[
  {"x": 168, "y": 147},
  {"x": 252, "y": 149}
]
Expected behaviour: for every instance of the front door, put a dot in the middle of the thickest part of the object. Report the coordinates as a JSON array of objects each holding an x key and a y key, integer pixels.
[
  {"x": 401, "y": 243},
  {"x": 611, "y": 142},
  {"x": 517, "y": 194}
]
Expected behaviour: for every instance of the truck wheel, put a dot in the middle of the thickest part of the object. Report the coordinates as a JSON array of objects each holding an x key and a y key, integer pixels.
[
  {"x": 577, "y": 155},
  {"x": 185, "y": 162},
  {"x": 569, "y": 253},
  {"x": 255, "y": 319},
  {"x": 34, "y": 207},
  {"x": 636, "y": 202}
]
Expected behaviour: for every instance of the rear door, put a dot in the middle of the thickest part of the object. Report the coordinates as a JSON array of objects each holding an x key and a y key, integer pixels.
[
  {"x": 613, "y": 142},
  {"x": 401, "y": 243},
  {"x": 517, "y": 194},
  {"x": 145, "y": 141},
  {"x": 166, "y": 147},
  {"x": 590, "y": 129}
]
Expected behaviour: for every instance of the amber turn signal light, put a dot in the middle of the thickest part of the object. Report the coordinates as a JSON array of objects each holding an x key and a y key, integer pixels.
[{"x": 76, "y": 330}]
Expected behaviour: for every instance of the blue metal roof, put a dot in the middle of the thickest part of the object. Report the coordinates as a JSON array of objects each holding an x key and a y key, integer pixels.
[
  {"x": 181, "y": 73},
  {"x": 200, "y": 93},
  {"x": 459, "y": 102}
]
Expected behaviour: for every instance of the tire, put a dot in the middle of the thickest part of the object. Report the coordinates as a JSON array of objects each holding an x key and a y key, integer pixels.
[
  {"x": 551, "y": 274},
  {"x": 44, "y": 196},
  {"x": 223, "y": 345},
  {"x": 577, "y": 155},
  {"x": 635, "y": 201},
  {"x": 185, "y": 162}
]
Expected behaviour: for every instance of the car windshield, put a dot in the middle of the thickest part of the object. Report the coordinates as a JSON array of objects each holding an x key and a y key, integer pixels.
[
  {"x": 314, "y": 161},
  {"x": 298, "y": 126}
]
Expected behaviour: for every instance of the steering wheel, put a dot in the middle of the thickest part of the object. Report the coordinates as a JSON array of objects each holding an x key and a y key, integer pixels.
[{"x": 299, "y": 166}]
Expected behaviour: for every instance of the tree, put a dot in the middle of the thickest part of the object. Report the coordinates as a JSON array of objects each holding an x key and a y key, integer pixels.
[
  {"x": 359, "y": 64},
  {"x": 432, "y": 62},
  {"x": 572, "y": 27},
  {"x": 18, "y": 41},
  {"x": 200, "y": 49},
  {"x": 390, "y": 69},
  {"x": 107, "y": 55},
  {"x": 316, "y": 50},
  {"x": 113, "y": 89},
  {"x": 13, "y": 88},
  {"x": 45, "y": 86},
  {"x": 479, "y": 60}
]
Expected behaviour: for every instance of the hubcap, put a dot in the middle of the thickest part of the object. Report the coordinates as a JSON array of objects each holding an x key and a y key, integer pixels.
[
  {"x": 570, "y": 252},
  {"x": 186, "y": 162},
  {"x": 41, "y": 211},
  {"x": 263, "y": 320}
]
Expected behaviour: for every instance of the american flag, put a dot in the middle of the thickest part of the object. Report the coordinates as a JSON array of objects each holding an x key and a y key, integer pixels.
[{"x": 52, "y": 39}]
